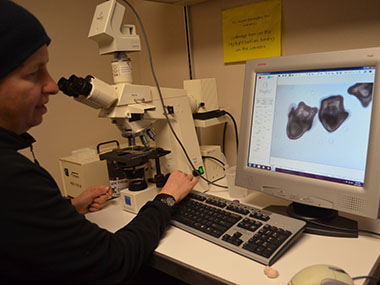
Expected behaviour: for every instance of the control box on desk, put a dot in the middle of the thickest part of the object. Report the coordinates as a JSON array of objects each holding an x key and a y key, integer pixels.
[
  {"x": 133, "y": 201},
  {"x": 81, "y": 172}
]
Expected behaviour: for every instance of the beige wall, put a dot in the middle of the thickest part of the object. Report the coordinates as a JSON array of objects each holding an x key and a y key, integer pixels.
[
  {"x": 165, "y": 28},
  {"x": 307, "y": 26}
]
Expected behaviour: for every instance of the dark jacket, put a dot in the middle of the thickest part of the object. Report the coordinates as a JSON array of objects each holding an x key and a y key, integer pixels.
[{"x": 44, "y": 240}]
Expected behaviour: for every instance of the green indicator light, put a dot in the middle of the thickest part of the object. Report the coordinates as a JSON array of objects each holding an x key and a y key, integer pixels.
[{"x": 201, "y": 170}]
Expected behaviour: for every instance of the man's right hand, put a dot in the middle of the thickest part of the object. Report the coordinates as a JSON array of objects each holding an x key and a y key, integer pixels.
[{"x": 179, "y": 184}]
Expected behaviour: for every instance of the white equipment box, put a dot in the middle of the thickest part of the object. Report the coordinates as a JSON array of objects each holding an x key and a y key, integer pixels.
[{"x": 81, "y": 171}]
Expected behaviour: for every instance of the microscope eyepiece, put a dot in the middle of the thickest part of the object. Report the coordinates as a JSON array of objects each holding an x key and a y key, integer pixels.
[{"x": 75, "y": 86}]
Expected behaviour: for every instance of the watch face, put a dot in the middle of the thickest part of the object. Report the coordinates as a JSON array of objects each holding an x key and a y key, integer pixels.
[
  {"x": 169, "y": 201},
  {"x": 166, "y": 199}
]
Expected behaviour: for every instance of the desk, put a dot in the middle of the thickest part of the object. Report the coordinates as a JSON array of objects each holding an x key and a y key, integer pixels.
[{"x": 180, "y": 252}]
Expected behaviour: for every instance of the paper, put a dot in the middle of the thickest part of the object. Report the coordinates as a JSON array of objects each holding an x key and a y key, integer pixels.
[{"x": 252, "y": 31}]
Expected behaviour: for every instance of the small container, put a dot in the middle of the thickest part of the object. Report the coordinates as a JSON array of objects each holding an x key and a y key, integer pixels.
[
  {"x": 118, "y": 178},
  {"x": 233, "y": 190}
]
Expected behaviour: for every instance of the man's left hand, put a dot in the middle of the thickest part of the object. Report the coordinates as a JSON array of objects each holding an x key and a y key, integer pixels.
[{"x": 92, "y": 199}]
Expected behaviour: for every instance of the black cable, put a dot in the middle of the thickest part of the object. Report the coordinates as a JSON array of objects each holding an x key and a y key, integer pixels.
[
  {"x": 224, "y": 138},
  {"x": 161, "y": 97},
  {"x": 156, "y": 82},
  {"x": 188, "y": 43},
  {"x": 214, "y": 158},
  {"x": 342, "y": 229},
  {"x": 218, "y": 179},
  {"x": 368, "y": 232},
  {"x": 367, "y": 277},
  {"x": 34, "y": 157},
  {"x": 236, "y": 130}
]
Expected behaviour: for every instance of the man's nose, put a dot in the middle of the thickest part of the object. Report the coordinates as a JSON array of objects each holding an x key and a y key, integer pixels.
[{"x": 50, "y": 87}]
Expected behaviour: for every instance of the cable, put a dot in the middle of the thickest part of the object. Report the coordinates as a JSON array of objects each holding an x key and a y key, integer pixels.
[
  {"x": 342, "y": 229},
  {"x": 236, "y": 131},
  {"x": 218, "y": 179},
  {"x": 367, "y": 277},
  {"x": 214, "y": 158},
  {"x": 224, "y": 137},
  {"x": 161, "y": 97},
  {"x": 156, "y": 81},
  {"x": 188, "y": 40},
  {"x": 368, "y": 232}
]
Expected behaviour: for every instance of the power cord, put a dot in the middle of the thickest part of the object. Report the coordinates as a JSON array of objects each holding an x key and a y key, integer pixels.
[
  {"x": 224, "y": 138},
  {"x": 236, "y": 130},
  {"x": 367, "y": 277},
  {"x": 195, "y": 171},
  {"x": 343, "y": 229},
  {"x": 214, "y": 158}
]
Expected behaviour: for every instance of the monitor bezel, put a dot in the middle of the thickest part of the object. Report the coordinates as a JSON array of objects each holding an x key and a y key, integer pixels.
[{"x": 363, "y": 201}]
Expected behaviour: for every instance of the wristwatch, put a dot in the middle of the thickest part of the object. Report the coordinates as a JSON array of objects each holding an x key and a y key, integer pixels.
[{"x": 166, "y": 199}]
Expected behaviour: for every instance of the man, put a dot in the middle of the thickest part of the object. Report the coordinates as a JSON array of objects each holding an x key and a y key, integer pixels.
[{"x": 45, "y": 238}]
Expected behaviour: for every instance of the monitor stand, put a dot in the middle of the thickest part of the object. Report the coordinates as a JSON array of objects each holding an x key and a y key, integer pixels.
[{"x": 320, "y": 221}]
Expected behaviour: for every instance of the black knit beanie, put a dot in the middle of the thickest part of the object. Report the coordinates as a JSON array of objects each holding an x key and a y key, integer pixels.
[{"x": 21, "y": 35}]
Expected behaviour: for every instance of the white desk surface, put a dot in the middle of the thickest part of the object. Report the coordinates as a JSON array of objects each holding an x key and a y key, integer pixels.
[{"x": 355, "y": 255}]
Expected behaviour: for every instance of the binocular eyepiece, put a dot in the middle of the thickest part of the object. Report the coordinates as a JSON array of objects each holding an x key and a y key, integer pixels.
[{"x": 75, "y": 86}]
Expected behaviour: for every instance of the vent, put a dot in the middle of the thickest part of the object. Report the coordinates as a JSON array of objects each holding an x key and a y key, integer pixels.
[{"x": 353, "y": 203}]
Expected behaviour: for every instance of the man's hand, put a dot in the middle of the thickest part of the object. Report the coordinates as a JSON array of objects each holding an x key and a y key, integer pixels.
[
  {"x": 92, "y": 199},
  {"x": 179, "y": 185}
]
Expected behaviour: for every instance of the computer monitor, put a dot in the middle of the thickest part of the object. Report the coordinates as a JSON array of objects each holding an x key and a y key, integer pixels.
[{"x": 310, "y": 133}]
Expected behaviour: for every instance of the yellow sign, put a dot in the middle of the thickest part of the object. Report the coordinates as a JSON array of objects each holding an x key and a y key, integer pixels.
[{"x": 252, "y": 31}]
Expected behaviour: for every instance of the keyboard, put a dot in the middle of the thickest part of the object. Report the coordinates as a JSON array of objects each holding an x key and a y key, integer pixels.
[{"x": 260, "y": 235}]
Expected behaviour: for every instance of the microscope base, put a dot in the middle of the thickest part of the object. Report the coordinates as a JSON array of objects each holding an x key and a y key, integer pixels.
[{"x": 134, "y": 200}]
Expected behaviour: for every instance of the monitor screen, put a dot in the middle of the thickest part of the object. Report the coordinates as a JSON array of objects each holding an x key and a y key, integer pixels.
[
  {"x": 303, "y": 119},
  {"x": 309, "y": 129}
]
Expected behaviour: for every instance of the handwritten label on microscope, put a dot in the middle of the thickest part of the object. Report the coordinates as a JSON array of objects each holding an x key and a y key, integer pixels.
[{"x": 252, "y": 31}]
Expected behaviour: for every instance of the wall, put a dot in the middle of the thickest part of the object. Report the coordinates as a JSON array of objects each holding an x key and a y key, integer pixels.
[
  {"x": 165, "y": 28},
  {"x": 307, "y": 26}
]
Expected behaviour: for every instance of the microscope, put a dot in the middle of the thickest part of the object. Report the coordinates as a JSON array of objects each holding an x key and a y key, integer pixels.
[{"x": 144, "y": 115}]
